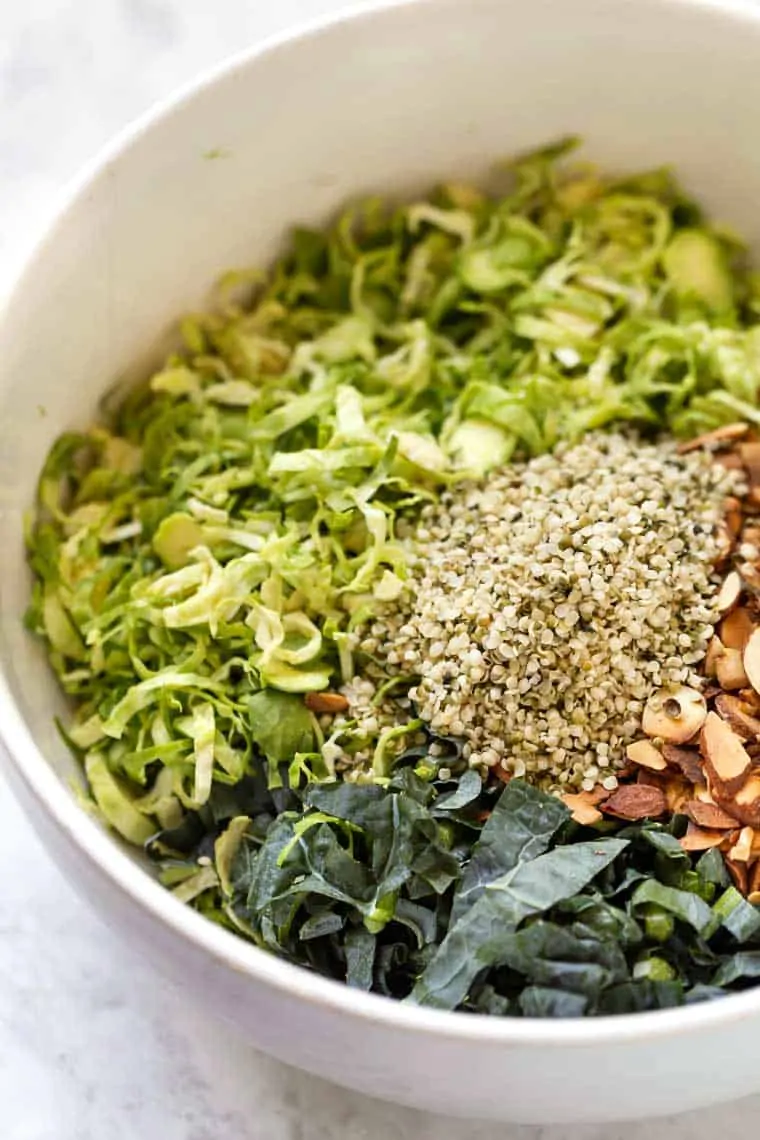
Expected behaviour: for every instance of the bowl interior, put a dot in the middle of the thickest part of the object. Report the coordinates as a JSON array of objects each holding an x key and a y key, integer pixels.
[{"x": 388, "y": 102}]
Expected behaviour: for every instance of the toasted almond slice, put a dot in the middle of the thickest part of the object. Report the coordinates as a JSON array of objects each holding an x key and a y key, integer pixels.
[
  {"x": 733, "y": 515},
  {"x": 730, "y": 669},
  {"x": 751, "y": 573},
  {"x": 729, "y": 593},
  {"x": 744, "y": 804},
  {"x": 582, "y": 809},
  {"x": 699, "y": 839},
  {"x": 722, "y": 435},
  {"x": 750, "y": 457},
  {"x": 326, "y": 702},
  {"x": 741, "y": 851},
  {"x": 687, "y": 760},
  {"x": 748, "y": 792},
  {"x": 726, "y": 761},
  {"x": 739, "y": 872},
  {"x": 709, "y": 816},
  {"x": 636, "y": 801},
  {"x": 736, "y": 629},
  {"x": 675, "y": 715},
  {"x": 678, "y": 792},
  {"x": 725, "y": 542},
  {"x": 754, "y": 878},
  {"x": 644, "y": 753},
  {"x": 754, "y": 898},
  {"x": 751, "y": 534},
  {"x": 752, "y": 660},
  {"x": 739, "y": 715},
  {"x": 715, "y": 650},
  {"x": 751, "y": 698}
]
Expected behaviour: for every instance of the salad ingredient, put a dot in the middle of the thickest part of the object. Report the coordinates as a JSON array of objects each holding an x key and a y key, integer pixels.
[
  {"x": 391, "y": 889},
  {"x": 674, "y": 715},
  {"x": 636, "y": 801},
  {"x": 729, "y": 593},
  {"x": 711, "y": 778},
  {"x": 204, "y": 562},
  {"x": 643, "y": 753},
  {"x": 550, "y": 602},
  {"x": 751, "y": 659}
]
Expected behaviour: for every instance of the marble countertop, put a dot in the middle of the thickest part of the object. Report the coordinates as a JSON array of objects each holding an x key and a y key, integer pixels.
[{"x": 93, "y": 1045}]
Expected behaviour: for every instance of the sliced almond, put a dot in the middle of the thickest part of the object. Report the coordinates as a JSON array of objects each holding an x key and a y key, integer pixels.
[
  {"x": 674, "y": 716},
  {"x": 726, "y": 761},
  {"x": 644, "y": 753},
  {"x": 741, "y": 851},
  {"x": 752, "y": 660},
  {"x": 730, "y": 669},
  {"x": 750, "y": 457},
  {"x": 736, "y": 629},
  {"x": 754, "y": 898},
  {"x": 739, "y": 715},
  {"x": 733, "y": 515},
  {"x": 709, "y": 816},
  {"x": 700, "y": 839},
  {"x": 744, "y": 804},
  {"x": 739, "y": 872},
  {"x": 751, "y": 534},
  {"x": 749, "y": 572},
  {"x": 748, "y": 793},
  {"x": 754, "y": 880},
  {"x": 722, "y": 435},
  {"x": 687, "y": 760},
  {"x": 714, "y": 651},
  {"x": 636, "y": 801},
  {"x": 729, "y": 593},
  {"x": 751, "y": 698},
  {"x": 326, "y": 702},
  {"x": 582, "y": 807},
  {"x": 725, "y": 542},
  {"x": 678, "y": 792}
]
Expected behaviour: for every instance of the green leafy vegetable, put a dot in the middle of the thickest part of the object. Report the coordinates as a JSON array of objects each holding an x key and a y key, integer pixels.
[
  {"x": 531, "y": 887},
  {"x": 520, "y": 828}
]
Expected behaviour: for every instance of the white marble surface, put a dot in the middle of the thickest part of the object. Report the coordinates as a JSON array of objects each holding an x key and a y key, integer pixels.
[{"x": 93, "y": 1046}]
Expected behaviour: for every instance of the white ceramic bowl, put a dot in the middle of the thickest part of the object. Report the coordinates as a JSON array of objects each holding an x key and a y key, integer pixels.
[{"x": 390, "y": 99}]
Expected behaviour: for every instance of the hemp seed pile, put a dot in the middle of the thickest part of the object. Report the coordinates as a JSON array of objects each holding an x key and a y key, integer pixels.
[{"x": 551, "y": 600}]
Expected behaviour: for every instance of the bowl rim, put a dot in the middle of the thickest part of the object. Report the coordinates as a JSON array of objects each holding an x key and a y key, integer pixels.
[{"x": 100, "y": 848}]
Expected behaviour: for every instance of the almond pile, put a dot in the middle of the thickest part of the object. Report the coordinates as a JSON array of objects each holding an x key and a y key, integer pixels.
[{"x": 700, "y": 756}]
